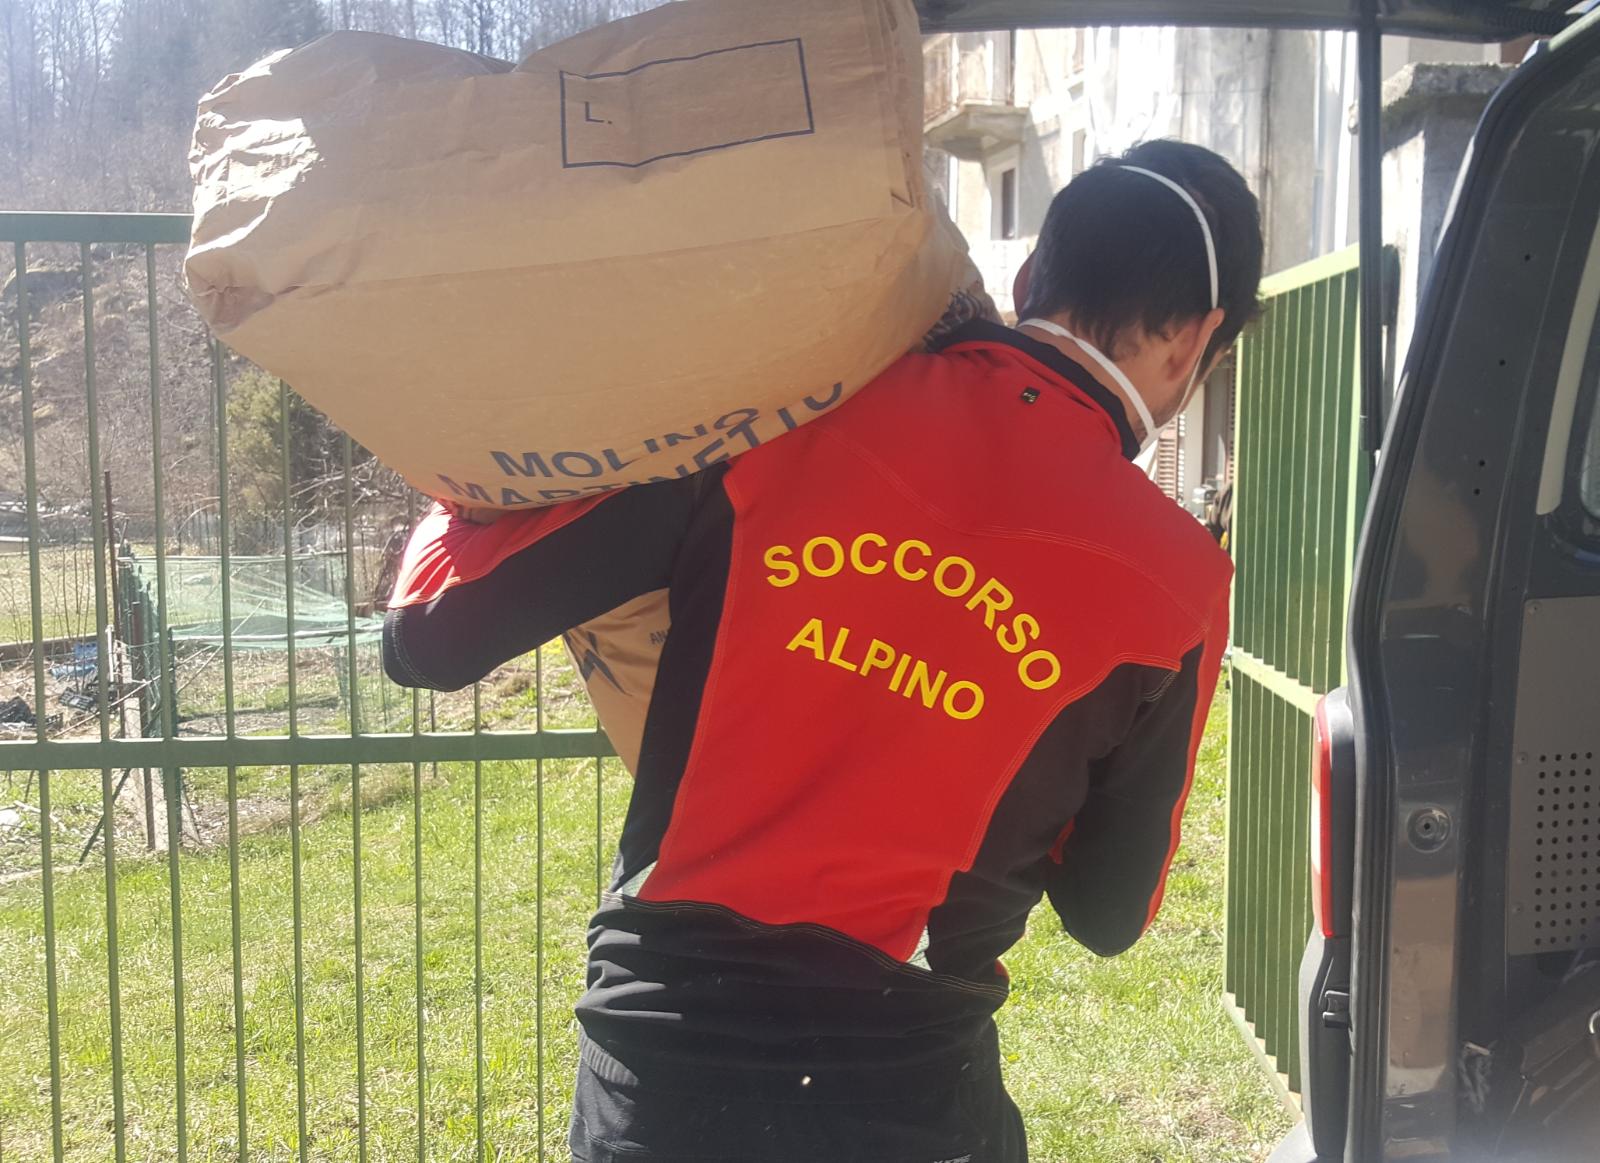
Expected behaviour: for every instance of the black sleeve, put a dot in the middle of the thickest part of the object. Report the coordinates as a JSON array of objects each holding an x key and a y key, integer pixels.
[
  {"x": 1113, "y": 863},
  {"x": 623, "y": 547}
]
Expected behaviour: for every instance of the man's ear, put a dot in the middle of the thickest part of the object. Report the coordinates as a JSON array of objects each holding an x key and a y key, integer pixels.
[
  {"x": 1190, "y": 342},
  {"x": 1019, "y": 285}
]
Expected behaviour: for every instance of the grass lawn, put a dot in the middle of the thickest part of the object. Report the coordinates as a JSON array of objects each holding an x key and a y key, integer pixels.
[
  {"x": 1111, "y": 1060},
  {"x": 1133, "y": 1058},
  {"x": 66, "y": 590}
]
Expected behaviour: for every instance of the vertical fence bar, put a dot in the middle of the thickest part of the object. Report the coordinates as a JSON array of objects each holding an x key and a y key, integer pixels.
[
  {"x": 1337, "y": 430},
  {"x": 171, "y": 777},
  {"x": 52, "y": 997},
  {"x": 416, "y": 892},
  {"x": 230, "y": 725},
  {"x": 30, "y": 474},
  {"x": 1290, "y": 936},
  {"x": 105, "y": 648},
  {"x": 1274, "y": 914},
  {"x": 1282, "y": 484},
  {"x": 1322, "y": 500},
  {"x": 1354, "y": 465},
  {"x": 1303, "y": 465},
  {"x": 416, "y": 895},
  {"x": 1268, "y": 487},
  {"x": 1314, "y": 631},
  {"x": 1343, "y": 426},
  {"x": 1245, "y": 546},
  {"x": 91, "y": 403},
  {"x": 1272, "y": 1007},
  {"x": 1230, "y": 853},
  {"x": 299, "y": 964},
  {"x": 1286, "y": 486},
  {"x": 1239, "y": 748},
  {"x": 538, "y": 900},
  {"x": 1267, "y": 1022},
  {"x": 285, "y": 440},
  {"x": 1233, "y": 870},
  {"x": 1250, "y": 731},
  {"x": 477, "y": 923},
  {"x": 354, "y": 684},
  {"x": 1261, "y": 745},
  {"x": 1260, "y": 492},
  {"x": 1266, "y": 483},
  {"x": 286, "y": 437},
  {"x": 1240, "y": 539},
  {"x": 1238, "y": 547},
  {"x": 1260, "y": 521},
  {"x": 1282, "y": 984}
]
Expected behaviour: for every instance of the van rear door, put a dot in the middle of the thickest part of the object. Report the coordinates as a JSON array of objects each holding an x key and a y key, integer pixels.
[{"x": 1475, "y": 662}]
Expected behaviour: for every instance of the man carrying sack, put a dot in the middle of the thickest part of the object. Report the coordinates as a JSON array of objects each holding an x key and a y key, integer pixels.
[{"x": 934, "y": 656}]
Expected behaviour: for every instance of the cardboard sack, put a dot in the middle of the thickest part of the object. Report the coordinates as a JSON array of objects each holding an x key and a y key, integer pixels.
[{"x": 638, "y": 253}]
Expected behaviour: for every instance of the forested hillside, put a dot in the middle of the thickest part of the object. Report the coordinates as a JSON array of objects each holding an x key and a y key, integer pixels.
[{"x": 96, "y": 113}]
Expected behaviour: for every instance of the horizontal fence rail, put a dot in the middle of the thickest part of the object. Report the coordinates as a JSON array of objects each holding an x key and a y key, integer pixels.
[
  {"x": 255, "y": 900},
  {"x": 1300, "y": 488}
]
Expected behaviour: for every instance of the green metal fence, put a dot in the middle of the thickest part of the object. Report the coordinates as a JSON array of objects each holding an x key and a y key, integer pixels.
[
  {"x": 321, "y": 931},
  {"x": 1300, "y": 487},
  {"x": 337, "y": 947}
]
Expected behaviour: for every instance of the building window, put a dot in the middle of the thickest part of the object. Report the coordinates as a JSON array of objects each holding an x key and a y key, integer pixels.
[
  {"x": 1008, "y": 202},
  {"x": 1080, "y": 38},
  {"x": 1010, "y": 96},
  {"x": 1080, "y": 151}
]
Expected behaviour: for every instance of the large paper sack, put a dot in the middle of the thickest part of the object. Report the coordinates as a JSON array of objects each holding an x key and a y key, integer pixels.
[{"x": 641, "y": 251}]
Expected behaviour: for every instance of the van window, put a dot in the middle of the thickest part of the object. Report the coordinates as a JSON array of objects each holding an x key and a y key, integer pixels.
[{"x": 1589, "y": 478}]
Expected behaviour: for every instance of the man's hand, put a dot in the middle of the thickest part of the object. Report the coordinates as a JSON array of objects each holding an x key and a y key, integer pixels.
[{"x": 475, "y": 516}]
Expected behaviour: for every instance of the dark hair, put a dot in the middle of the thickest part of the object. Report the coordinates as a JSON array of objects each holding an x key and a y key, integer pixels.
[{"x": 1120, "y": 251}]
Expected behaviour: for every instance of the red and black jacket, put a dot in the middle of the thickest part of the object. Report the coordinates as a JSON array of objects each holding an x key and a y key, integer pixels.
[{"x": 933, "y": 657}]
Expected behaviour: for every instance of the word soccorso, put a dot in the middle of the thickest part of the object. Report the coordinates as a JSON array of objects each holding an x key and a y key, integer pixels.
[{"x": 1037, "y": 668}]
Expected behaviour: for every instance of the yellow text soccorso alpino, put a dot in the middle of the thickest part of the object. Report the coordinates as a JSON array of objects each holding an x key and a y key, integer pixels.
[{"x": 913, "y": 560}]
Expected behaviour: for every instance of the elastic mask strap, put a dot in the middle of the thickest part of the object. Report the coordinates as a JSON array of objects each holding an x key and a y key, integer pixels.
[
  {"x": 1111, "y": 369},
  {"x": 1205, "y": 227}
]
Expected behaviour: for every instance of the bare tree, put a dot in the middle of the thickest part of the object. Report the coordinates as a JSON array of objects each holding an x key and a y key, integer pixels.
[
  {"x": 10, "y": 20},
  {"x": 98, "y": 111},
  {"x": 485, "y": 27}
]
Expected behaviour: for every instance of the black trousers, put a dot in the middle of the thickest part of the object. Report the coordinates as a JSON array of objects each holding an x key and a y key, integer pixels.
[{"x": 618, "y": 1118}]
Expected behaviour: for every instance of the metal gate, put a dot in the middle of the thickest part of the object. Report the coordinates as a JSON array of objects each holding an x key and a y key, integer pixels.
[
  {"x": 1301, "y": 486},
  {"x": 243, "y": 927}
]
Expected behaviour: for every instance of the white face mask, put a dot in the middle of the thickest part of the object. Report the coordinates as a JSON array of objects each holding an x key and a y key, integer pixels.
[{"x": 1151, "y": 432}]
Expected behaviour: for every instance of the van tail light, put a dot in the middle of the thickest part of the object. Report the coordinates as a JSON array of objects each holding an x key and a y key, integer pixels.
[{"x": 1322, "y": 827}]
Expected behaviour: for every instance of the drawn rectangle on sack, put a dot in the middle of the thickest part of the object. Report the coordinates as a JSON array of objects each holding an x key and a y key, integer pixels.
[{"x": 680, "y": 106}]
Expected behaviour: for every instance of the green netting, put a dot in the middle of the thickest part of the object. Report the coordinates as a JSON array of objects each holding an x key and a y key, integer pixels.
[{"x": 259, "y": 601}]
